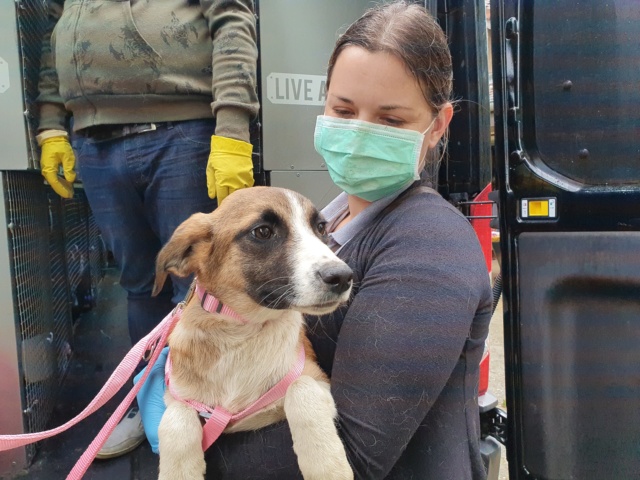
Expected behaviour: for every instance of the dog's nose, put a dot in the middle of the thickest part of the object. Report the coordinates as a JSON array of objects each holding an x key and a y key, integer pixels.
[{"x": 337, "y": 277}]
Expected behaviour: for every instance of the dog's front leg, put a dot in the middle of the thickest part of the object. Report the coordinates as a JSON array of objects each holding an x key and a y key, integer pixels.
[
  {"x": 180, "y": 444},
  {"x": 311, "y": 414}
]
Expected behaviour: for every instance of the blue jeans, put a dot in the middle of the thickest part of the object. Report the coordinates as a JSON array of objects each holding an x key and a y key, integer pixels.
[{"x": 140, "y": 188}]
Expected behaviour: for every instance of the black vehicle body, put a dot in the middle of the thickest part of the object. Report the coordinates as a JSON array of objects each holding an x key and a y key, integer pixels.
[{"x": 566, "y": 78}]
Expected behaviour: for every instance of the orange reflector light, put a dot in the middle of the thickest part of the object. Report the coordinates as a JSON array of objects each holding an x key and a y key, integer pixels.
[{"x": 538, "y": 208}]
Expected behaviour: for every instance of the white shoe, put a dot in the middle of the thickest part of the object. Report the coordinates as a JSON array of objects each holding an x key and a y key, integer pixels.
[{"x": 125, "y": 438}]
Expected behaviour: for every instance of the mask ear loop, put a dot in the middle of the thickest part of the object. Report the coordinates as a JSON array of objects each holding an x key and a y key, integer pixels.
[
  {"x": 420, "y": 165},
  {"x": 430, "y": 125}
]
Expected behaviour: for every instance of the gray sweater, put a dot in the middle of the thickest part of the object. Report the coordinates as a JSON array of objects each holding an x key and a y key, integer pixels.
[{"x": 403, "y": 355}]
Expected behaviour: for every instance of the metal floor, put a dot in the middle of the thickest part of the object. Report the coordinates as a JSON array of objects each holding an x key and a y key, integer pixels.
[{"x": 101, "y": 340}]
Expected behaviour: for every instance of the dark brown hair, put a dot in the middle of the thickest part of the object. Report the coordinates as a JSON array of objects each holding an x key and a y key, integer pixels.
[{"x": 409, "y": 32}]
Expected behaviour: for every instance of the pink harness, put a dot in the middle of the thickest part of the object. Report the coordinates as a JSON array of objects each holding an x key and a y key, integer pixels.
[
  {"x": 149, "y": 348},
  {"x": 217, "y": 417},
  {"x": 212, "y": 305}
]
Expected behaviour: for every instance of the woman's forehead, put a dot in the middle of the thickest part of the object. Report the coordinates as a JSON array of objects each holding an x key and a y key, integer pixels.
[{"x": 380, "y": 76}]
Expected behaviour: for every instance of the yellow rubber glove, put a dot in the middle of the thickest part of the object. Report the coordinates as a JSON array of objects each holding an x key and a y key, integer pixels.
[
  {"x": 230, "y": 167},
  {"x": 57, "y": 151}
]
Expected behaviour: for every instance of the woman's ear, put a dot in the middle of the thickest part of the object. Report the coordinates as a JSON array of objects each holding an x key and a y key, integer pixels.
[{"x": 440, "y": 126}]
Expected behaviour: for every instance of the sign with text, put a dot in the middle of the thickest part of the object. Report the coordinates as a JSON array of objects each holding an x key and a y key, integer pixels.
[{"x": 296, "y": 89}]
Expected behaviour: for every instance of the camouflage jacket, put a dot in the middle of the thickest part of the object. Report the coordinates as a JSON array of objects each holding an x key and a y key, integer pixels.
[{"x": 136, "y": 61}]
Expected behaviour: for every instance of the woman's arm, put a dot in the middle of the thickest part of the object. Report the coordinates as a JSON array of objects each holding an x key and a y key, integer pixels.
[
  {"x": 402, "y": 336},
  {"x": 399, "y": 341}
]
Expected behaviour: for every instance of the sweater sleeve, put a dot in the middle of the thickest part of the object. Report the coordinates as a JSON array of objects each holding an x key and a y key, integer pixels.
[
  {"x": 53, "y": 115},
  {"x": 404, "y": 333},
  {"x": 234, "y": 65}
]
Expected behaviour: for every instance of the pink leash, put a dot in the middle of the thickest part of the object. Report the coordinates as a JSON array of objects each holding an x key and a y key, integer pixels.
[
  {"x": 153, "y": 342},
  {"x": 218, "y": 418}
]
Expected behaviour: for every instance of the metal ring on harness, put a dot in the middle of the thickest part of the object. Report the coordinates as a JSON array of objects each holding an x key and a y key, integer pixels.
[{"x": 148, "y": 353}]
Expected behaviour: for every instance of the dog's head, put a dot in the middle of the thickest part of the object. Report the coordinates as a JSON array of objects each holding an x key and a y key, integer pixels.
[{"x": 263, "y": 247}]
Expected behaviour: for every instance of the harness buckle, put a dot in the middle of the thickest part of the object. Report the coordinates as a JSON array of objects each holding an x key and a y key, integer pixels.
[
  {"x": 149, "y": 351},
  {"x": 190, "y": 292}
]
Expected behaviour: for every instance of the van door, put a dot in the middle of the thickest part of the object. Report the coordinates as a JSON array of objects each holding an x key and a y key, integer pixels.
[{"x": 566, "y": 78}]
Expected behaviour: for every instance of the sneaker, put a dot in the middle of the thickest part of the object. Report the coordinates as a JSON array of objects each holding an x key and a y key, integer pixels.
[{"x": 125, "y": 438}]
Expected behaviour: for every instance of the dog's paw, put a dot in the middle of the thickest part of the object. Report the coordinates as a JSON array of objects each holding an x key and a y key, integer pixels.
[
  {"x": 338, "y": 469},
  {"x": 328, "y": 471},
  {"x": 187, "y": 470},
  {"x": 342, "y": 472},
  {"x": 311, "y": 413}
]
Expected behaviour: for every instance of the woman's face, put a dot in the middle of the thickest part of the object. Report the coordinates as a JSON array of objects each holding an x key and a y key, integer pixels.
[{"x": 378, "y": 88}]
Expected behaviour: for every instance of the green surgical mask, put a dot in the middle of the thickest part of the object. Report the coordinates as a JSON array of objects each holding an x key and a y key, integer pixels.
[{"x": 368, "y": 160}]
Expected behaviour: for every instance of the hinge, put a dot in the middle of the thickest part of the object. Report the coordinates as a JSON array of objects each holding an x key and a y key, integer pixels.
[{"x": 494, "y": 424}]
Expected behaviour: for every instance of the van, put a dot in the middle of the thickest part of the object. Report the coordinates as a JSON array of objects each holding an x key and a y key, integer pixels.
[{"x": 544, "y": 149}]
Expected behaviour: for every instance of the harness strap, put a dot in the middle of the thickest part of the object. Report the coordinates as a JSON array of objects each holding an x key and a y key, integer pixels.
[
  {"x": 212, "y": 305},
  {"x": 219, "y": 418}
]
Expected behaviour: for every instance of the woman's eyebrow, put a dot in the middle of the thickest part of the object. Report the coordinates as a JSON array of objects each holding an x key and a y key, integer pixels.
[
  {"x": 394, "y": 107},
  {"x": 386, "y": 108},
  {"x": 344, "y": 99}
]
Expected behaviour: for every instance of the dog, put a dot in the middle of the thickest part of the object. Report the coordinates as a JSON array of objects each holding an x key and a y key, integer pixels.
[{"x": 263, "y": 255}]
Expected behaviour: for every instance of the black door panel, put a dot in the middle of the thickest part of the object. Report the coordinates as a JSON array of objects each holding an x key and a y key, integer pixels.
[
  {"x": 579, "y": 333},
  {"x": 566, "y": 78}
]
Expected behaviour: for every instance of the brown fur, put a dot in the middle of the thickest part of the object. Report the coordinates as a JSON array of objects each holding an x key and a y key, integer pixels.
[{"x": 220, "y": 361}]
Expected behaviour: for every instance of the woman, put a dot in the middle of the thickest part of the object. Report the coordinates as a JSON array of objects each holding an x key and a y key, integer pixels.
[{"x": 404, "y": 354}]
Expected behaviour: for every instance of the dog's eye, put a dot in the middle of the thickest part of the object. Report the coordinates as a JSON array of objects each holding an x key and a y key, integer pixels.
[
  {"x": 322, "y": 228},
  {"x": 262, "y": 233}
]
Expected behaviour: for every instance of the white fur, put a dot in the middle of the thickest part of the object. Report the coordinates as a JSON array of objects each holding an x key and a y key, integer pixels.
[
  {"x": 219, "y": 361},
  {"x": 310, "y": 252}
]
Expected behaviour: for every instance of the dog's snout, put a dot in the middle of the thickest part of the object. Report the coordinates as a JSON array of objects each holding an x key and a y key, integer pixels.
[{"x": 337, "y": 277}]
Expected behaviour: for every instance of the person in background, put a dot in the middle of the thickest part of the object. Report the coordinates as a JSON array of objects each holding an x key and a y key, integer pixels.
[
  {"x": 403, "y": 355},
  {"x": 160, "y": 96}
]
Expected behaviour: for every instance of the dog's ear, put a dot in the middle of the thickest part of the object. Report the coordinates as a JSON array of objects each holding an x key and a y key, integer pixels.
[{"x": 177, "y": 255}]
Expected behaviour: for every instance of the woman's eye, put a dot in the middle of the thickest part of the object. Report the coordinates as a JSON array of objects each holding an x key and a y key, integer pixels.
[
  {"x": 394, "y": 122},
  {"x": 341, "y": 112},
  {"x": 262, "y": 233},
  {"x": 322, "y": 228}
]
